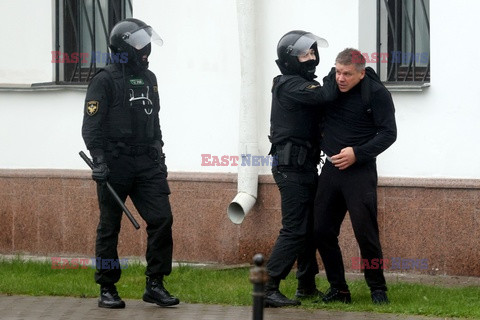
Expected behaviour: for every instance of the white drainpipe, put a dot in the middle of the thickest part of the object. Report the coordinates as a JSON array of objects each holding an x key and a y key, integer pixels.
[{"x": 248, "y": 144}]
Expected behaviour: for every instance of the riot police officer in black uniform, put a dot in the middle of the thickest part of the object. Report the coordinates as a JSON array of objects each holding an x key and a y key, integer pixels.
[
  {"x": 296, "y": 103},
  {"x": 121, "y": 129}
]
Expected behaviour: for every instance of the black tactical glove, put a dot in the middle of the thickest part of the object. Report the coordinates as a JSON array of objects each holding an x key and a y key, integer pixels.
[
  {"x": 100, "y": 169},
  {"x": 330, "y": 85},
  {"x": 163, "y": 165},
  {"x": 369, "y": 72},
  {"x": 156, "y": 151},
  {"x": 366, "y": 84},
  {"x": 158, "y": 155}
]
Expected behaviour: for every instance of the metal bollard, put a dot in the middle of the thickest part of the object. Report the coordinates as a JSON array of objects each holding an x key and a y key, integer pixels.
[{"x": 258, "y": 276}]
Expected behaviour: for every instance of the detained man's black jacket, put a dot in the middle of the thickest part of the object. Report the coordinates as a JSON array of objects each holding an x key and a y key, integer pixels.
[{"x": 362, "y": 118}]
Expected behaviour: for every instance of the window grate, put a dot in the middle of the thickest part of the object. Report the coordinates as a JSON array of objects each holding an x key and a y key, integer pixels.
[
  {"x": 82, "y": 32},
  {"x": 406, "y": 32}
]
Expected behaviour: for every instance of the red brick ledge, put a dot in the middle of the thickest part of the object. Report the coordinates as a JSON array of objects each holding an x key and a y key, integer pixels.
[
  {"x": 45, "y": 173},
  {"x": 442, "y": 183},
  {"x": 232, "y": 178}
]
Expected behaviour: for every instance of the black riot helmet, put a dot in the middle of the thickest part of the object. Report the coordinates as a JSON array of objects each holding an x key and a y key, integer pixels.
[
  {"x": 134, "y": 36},
  {"x": 297, "y": 43}
]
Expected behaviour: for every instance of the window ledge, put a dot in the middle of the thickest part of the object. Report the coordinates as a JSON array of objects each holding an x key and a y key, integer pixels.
[
  {"x": 48, "y": 86},
  {"x": 412, "y": 87}
]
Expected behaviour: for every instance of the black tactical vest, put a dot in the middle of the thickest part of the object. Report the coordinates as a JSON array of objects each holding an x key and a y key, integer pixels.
[
  {"x": 298, "y": 124},
  {"x": 134, "y": 106}
]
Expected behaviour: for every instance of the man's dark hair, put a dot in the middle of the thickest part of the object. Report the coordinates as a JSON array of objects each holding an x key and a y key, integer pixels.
[{"x": 351, "y": 56}]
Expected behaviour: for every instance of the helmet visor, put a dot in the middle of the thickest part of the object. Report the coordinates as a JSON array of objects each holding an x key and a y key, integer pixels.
[
  {"x": 304, "y": 43},
  {"x": 140, "y": 38}
]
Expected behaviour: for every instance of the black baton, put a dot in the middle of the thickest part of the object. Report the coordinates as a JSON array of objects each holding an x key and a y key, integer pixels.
[{"x": 114, "y": 194}]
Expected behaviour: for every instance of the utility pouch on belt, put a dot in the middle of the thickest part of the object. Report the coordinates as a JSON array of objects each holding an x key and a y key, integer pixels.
[
  {"x": 284, "y": 154},
  {"x": 302, "y": 155}
]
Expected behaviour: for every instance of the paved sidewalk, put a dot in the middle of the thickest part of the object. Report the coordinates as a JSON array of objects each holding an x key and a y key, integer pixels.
[{"x": 26, "y": 307}]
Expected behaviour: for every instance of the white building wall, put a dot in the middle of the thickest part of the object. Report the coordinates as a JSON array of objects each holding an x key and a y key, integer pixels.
[
  {"x": 198, "y": 70},
  {"x": 41, "y": 129},
  {"x": 26, "y": 41},
  {"x": 438, "y": 128}
]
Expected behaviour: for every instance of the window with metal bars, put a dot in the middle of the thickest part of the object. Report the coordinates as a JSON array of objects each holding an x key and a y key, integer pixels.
[
  {"x": 81, "y": 37},
  {"x": 403, "y": 31}
]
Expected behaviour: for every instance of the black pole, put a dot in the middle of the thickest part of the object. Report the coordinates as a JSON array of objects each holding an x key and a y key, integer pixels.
[
  {"x": 112, "y": 191},
  {"x": 258, "y": 276}
]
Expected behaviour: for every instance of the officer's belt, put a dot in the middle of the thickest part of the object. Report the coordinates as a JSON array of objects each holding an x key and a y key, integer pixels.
[
  {"x": 295, "y": 155},
  {"x": 123, "y": 148}
]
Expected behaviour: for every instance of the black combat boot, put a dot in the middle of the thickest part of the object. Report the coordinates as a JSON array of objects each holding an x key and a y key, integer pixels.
[
  {"x": 307, "y": 289},
  {"x": 334, "y": 294},
  {"x": 109, "y": 298},
  {"x": 274, "y": 298},
  {"x": 155, "y": 292},
  {"x": 379, "y": 297}
]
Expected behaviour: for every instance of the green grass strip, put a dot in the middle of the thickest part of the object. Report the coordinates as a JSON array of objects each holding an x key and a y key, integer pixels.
[{"x": 232, "y": 287}]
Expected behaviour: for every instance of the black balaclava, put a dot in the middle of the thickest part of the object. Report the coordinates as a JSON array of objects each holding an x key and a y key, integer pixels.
[
  {"x": 135, "y": 61},
  {"x": 307, "y": 68}
]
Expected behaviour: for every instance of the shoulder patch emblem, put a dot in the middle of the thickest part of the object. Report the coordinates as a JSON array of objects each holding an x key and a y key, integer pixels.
[
  {"x": 92, "y": 107},
  {"x": 155, "y": 88},
  {"x": 313, "y": 86}
]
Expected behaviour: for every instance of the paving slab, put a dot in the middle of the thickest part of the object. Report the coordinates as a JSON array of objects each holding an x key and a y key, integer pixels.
[{"x": 52, "y": 308}]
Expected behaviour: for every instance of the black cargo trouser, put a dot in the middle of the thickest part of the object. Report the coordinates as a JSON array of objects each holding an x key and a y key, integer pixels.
[
  {"x": 295, "y": 241},
  {"x": 144, "y": 180},
  {"x": 353, "y": 189}
]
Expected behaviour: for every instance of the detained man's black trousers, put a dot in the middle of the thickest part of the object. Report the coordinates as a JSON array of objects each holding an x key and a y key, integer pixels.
[
  {"x": 144, "y": 180},
  {"x": 353, "y": 189},
  {"x": 295, "y": 241}
]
